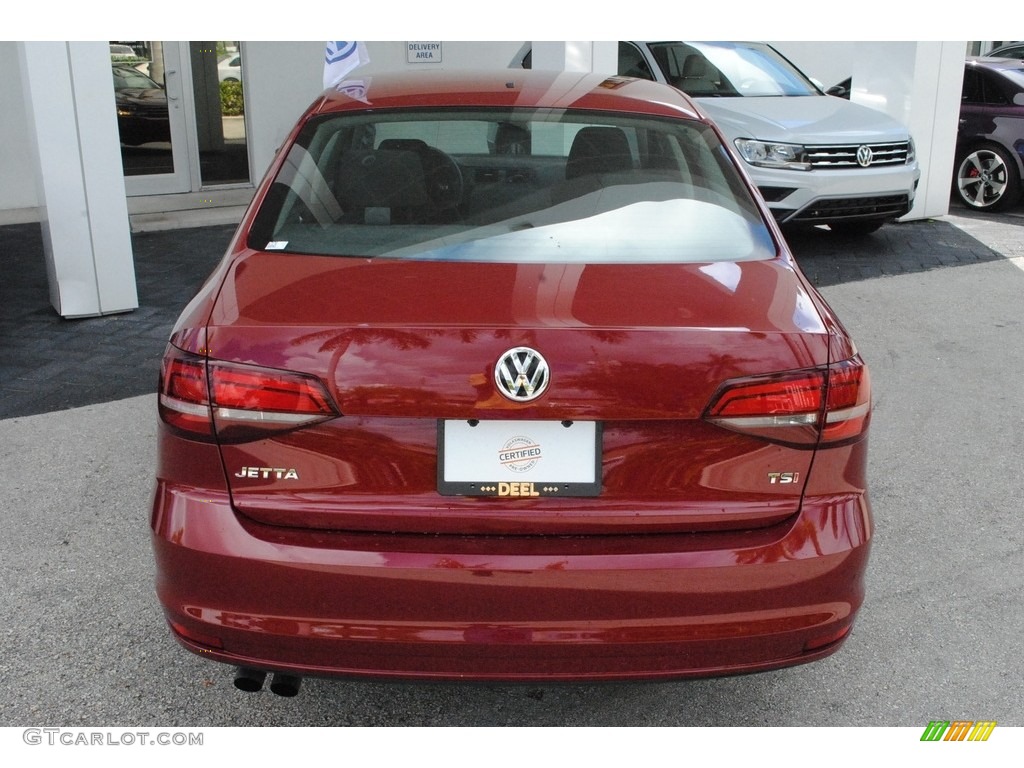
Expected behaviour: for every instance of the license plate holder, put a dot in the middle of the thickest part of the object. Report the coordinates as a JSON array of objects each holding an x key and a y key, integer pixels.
[{"x": 518, "y": 459}]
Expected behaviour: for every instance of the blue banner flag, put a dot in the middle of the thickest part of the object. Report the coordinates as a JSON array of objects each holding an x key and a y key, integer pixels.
[{"x": 340, "y": 58}]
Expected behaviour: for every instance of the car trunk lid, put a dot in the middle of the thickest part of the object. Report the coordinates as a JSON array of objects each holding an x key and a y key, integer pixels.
[{"x": 405, "y": 348}]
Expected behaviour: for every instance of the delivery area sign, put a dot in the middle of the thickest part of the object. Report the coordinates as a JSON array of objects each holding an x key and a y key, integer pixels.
[{"x": 422, "y": 52}]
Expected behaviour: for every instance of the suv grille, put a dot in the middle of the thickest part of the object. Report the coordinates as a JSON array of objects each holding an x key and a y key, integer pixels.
[
  {"x": 845, "y": 155},
  {"x": 852, "y": 208}
]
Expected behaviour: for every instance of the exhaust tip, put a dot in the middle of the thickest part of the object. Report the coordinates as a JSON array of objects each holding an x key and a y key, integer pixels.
[
  {"x": 249, "y": 680},
  {"x": 285, "y": 685}
]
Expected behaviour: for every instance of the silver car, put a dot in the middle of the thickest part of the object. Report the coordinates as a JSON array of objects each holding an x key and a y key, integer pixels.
[{"x": 817, "y": 159}]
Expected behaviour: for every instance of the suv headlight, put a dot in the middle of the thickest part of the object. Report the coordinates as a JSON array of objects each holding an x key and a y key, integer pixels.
[
  {"x": 911, "y": 150},
  {"x": 772, "y": 154}
]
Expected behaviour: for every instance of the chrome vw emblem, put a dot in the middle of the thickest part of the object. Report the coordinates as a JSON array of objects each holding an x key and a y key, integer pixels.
[
  {"x": 521, "y": 374},
  {"x": 864, "y": 156}
]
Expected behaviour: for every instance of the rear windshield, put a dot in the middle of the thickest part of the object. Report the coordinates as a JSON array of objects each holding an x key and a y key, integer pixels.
[{"x": 510, "y": 186}]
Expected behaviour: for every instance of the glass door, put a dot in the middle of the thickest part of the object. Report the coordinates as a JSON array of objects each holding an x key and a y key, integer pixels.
[
  {"x": 151, "y": 91},
  {"x": 219, "y": 113},
  {"x": 180, "y": 115}
]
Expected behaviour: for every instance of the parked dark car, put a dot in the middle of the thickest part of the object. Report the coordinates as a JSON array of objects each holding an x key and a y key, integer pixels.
[
  {"x": 509, "y": 376},
  {"x": 141, "y": 104},
  {"x": 990, "y": 140}
]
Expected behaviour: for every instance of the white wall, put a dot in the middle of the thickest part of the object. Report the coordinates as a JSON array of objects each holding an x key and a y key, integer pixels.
[
  {"x": 916, "y": 83},
  {"x": 919, "y": 85},
  {"x": 828, "y": 63},
  {"x": 392, "y": 56},
  {"x": 583, "y": 56},
  {"x": 283, "y": 79}
]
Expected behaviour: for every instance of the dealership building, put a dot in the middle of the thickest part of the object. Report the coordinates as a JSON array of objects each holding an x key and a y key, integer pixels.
[{"x": 184, "y": 130}]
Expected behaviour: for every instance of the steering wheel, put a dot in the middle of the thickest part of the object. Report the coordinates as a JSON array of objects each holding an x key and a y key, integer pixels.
[{"x": 443, "y": 178}]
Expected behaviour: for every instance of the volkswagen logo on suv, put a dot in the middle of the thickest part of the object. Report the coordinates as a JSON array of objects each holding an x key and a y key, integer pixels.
[
  {"x": 864, "y": 156},
  {"x": 521, "y": 374}
]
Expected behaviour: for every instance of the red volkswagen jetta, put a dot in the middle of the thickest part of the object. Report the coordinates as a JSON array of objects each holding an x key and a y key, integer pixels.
[{"x": 510, "y": 377}]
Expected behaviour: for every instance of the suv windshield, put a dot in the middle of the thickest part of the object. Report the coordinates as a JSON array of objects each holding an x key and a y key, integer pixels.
[
  {"x": 510, "y": 186},
  {"x": 126, "y": 77},
  {"x": 730, "y": 69}
]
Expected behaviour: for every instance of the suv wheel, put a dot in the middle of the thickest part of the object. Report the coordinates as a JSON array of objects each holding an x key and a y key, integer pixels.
[{"x": 987, "y": 179}]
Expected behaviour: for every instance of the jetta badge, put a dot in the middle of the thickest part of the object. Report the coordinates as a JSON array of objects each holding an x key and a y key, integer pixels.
[
  {"x": 521, "y": 374},
  {"x": 864, "y": 156}
]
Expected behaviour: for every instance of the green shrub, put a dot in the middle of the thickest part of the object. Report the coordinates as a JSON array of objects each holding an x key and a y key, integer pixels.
[{"x": 231, "y": 101}]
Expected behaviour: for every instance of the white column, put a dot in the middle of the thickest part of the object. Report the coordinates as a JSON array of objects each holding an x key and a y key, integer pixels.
[
  {"x": 583, "y": 56},
  {"x": 918, "y": 83},
  {"x": 69, "y": 100}
]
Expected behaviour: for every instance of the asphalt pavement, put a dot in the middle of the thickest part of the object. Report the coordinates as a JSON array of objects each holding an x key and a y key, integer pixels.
[{"x": 936, "y": 308}]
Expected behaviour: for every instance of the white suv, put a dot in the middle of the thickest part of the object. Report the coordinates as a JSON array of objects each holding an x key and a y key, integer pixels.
[{"x": 817, "y": 159}]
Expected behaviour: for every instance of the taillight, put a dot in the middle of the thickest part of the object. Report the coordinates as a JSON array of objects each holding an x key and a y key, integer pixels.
[
  {"x": 184, "y": 403},
  {"x": 236, "y": 402},
  {"x": 248, "y": 401},
  {"x": 826, "y": 406},
  {"x": 848, "y": 407}
]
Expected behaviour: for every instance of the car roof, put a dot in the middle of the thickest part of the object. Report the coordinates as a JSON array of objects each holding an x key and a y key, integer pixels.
[
  {"x": 509, "y": 88},
  {"x": 1013, "y": 47},
  {"x": 996, "y": 63}
]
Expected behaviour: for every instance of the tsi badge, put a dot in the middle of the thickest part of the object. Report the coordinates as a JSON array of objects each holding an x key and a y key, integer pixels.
[{"x": 783, "y": 478}]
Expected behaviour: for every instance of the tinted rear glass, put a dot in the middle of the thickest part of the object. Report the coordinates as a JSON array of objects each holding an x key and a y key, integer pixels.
[{"x": 510, "y": 186}]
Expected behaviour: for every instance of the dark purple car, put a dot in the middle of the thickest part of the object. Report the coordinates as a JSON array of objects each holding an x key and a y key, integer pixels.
[{"x": 990, "y": 140}]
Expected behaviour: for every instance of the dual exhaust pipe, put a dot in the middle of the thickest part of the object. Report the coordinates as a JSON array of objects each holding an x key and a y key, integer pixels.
[{"x": 251, "y": 681}]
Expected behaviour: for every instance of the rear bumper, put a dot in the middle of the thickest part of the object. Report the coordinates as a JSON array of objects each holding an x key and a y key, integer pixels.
[{"x": 508, "y": 608}]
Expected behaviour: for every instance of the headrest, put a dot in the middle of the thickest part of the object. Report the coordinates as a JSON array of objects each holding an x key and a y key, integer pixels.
[
  {"x": 698, "y": 68},
  {"x": 598, "y": 149}
]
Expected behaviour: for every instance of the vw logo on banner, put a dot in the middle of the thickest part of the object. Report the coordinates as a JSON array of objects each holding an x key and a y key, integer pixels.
[{"x": 340, "y": 58}]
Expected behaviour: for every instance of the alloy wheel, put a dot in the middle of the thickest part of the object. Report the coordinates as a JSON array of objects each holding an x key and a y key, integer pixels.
[{"x": 986, "y": 180}]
